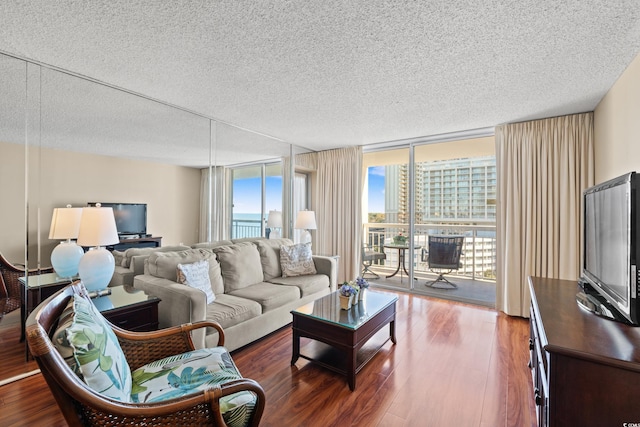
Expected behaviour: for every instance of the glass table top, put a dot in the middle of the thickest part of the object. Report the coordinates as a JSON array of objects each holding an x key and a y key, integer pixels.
[
  {"x": 46, "y": 279},
  {"x": 327, "y": 309}
]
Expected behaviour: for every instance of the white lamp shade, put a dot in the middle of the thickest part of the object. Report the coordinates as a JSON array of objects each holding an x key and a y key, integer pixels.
[
  {"x": 306, "y": 220},
  {"x": 98, "y": 227},
  {"x": 65, "y": 223},
  {"x": 65, "y": 258},
  {"x": 275, "y": 219},
  {"x": 96, "y": 269}
]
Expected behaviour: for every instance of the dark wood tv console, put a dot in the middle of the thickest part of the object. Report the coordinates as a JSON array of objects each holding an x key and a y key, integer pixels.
[
  {"x": 140, "y": 242},
  {"x": 585, "y": 368}
]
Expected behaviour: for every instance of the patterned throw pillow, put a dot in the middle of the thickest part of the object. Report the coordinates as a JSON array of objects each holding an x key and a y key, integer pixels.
[
  {"x": 196, "y": 275},
  {"x": 190, "y": 373},
  {"x": 297, "y": 260},
  {"x": 60, "y": 341},
  {"x": 98, "y": 352}
]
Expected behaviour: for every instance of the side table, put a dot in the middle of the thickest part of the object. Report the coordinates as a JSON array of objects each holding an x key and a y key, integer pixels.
[{"x": 129, "y": 308}]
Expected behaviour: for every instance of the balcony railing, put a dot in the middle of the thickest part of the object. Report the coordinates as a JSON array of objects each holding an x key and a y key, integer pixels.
[
  {"x": 241, "y": 228},
  {"x": 478, "y": 256}
]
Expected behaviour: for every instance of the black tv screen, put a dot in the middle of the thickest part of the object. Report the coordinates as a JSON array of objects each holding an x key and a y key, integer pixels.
[
  {"x": 131, "y": 218},
  {"x": 608, "y": 238},
  {"x": 611, "y": 244}
]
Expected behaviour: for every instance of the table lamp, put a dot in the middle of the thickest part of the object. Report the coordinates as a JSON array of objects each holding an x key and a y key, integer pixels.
[
  {"x": 274, "y": 222},
  {"x": 65, "y": 224},
  {"x": 97, "y": 229},
  {"x": 306, "y": 220}
]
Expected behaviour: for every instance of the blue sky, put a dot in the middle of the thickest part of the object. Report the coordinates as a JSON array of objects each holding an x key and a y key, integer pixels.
[
  {"x": 376, "y": 189},
  {"x": 246, "y": 192}
]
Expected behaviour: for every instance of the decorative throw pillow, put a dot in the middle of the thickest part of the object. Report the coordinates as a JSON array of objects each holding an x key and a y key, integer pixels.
[
  {"x": 60, "y": 341},
  {"x": 98, "y": 352},
  {"x": 297, "y": 260},
  {"x": 196, "y": 275}
]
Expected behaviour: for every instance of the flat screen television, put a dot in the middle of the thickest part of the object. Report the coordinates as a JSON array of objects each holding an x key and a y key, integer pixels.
[
  {"x": 131, "y": 218},
  {"x": 611, "y": 243}
]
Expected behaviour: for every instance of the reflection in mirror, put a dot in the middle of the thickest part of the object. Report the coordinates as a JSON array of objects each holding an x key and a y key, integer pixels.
[
  {"x": 303, "y": 181},
  {"x": 248, "y": 181},
  {"x": 90, "y": 142},
  {"x": 12, "y": 153}
]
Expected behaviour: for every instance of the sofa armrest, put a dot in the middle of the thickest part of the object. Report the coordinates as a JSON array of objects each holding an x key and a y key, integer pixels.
[
  {"x": 329, "y": 266},
  {"x": 179, "y": 303},
  {"x": 137, "y": 264}
]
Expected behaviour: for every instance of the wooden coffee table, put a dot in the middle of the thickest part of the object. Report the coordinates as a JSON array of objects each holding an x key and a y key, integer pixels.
[{"x": 347, "y": 331}]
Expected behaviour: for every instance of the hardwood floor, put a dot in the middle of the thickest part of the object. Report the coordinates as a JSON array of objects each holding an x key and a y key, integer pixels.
[{"x": 453, "y": 365}]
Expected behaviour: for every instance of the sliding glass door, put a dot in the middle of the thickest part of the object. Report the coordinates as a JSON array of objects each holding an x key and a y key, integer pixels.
[
  {"x": 422, "y": 192},
  {"x": 255, "y": 190}
]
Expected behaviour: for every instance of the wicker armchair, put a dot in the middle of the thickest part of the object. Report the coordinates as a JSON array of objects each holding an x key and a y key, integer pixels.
[
  {"x": 10, "y": 297},
  {"x": 81, "y": 405}
]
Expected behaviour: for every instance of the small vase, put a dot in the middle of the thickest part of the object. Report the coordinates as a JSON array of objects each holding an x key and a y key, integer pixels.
[
  {"x": 361, "y": 294},
  {"x": 345, "y": 302}
]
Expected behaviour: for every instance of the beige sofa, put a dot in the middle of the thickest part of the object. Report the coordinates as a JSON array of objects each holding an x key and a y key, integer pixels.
[
  {"x": 130, "y": 263},
  {"x": 252, "y": 299}
]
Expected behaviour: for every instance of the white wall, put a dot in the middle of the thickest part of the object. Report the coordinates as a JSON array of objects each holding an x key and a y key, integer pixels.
[
  {"x": 172, "y": 195},
  {"x": 617, "y": 127}
]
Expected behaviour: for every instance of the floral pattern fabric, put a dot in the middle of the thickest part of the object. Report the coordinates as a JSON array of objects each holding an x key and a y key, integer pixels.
[{"x": 191, "y": 372}]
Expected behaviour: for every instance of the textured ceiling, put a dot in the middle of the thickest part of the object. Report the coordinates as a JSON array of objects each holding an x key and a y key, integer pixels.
[{"x": 325, "y": 73}]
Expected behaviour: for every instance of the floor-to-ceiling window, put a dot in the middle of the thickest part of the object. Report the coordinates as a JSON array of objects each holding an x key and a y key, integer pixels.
[
  {"x": 255, "y": 190},
  {"x": 436, "y": 189}
]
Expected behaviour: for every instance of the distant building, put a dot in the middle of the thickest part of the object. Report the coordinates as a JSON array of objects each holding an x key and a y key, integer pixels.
[{"x": 459, "y": 191}]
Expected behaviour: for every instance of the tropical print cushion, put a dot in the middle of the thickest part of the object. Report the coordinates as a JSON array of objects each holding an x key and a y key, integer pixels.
[
  {"x": 192, "y": 372},
  {"x": 60, "y": 341},
  {"x": 98, "y": 352},
  {"x": 297, "y": 260}
]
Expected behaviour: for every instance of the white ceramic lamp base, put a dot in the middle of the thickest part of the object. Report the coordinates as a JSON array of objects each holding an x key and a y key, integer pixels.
[
  {"x": 65, "y": 259},
  {"x": 96, "y": 269}
]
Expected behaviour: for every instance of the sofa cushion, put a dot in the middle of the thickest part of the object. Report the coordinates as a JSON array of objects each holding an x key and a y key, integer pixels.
[
  {"x": 196, "y": 275},
  {"x": 297, "y": 260},
  {"x": 191, "y": 373},
  {"x": 98, "y": 352},
  {"x": 118, "y": 257},
  {"x": 240, "y": 264},
  {"x": 211, "y": 245},
  {"x": 269, "y": 295},
  {"x": 269, "y": 250},
  {"x": 308, "y": 285},
  {"x": 229, "y": 310},
  {"x": 165, "y": 265},
  {"x": 131, "y": 252}
]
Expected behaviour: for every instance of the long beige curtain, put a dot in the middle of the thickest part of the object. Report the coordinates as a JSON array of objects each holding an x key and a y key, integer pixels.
[
  {"x": 338, "y": 205},
  {"x": 212, "y": 226},
  {"x": 542, "y": 166}
]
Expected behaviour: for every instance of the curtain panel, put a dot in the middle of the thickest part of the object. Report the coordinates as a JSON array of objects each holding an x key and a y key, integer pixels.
[
  {"x": 212, "y": 226},
  {"x": 543, "y": 166},
  {"x": 338, "y": 205}
]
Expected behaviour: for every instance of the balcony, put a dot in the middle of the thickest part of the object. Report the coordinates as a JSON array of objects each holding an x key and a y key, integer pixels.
[{"x": 475, "y": 279}]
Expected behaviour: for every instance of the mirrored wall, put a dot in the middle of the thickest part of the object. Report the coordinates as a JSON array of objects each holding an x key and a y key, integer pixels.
[{"x": 65, "y": 139}]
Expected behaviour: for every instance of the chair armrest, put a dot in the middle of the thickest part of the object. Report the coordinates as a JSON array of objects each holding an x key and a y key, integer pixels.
[
  {"x": 329, "y": 266},
  {"x": 141, "y": 348}
]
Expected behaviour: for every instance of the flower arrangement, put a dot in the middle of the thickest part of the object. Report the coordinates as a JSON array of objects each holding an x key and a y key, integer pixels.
[
  {"x": 346, "y": 290},
  {"x": 400, "y": 239}
]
